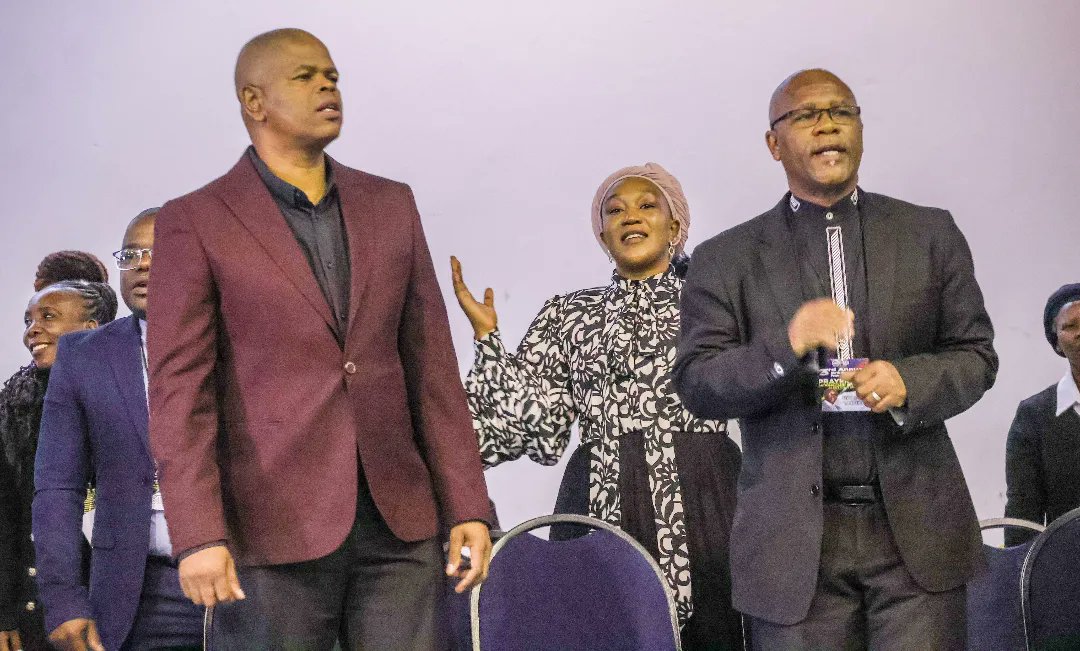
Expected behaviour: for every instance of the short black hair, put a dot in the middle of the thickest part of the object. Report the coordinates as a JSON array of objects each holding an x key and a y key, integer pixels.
[{"x": 69, "y": 265}]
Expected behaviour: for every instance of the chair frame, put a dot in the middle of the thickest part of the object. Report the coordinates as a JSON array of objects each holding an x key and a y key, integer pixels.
[
  {"x": 1029, "y": 560},
  {"x": 1001, "y": 523},
  {"x": 567, "y": 518},
  {"x": 1004, "y": 523}
]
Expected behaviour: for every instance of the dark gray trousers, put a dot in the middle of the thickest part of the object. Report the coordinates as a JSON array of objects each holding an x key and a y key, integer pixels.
[
  {"x": 865, "y": 598},
  {"x": 374, "y": 592}
]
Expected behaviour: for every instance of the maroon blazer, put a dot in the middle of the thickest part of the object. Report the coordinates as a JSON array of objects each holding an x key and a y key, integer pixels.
[{"x": 257, "y": 414}]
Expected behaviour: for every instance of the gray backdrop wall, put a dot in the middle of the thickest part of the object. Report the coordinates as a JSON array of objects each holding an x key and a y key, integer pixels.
[{"x": 504, "y": 116}]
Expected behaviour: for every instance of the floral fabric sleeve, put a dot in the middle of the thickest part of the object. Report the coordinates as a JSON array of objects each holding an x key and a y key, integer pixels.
[{"x": 522, "y": 403}]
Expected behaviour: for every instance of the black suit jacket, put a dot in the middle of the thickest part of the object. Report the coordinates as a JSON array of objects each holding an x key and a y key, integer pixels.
[
  {"x": 1042, "y": 463},
  {"x": 926, "y": 316}
]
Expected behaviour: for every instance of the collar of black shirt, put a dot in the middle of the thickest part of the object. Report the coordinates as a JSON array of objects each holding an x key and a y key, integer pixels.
[
  {"x": 838, "y": 212},
  {"x": 286, "y": 192}
]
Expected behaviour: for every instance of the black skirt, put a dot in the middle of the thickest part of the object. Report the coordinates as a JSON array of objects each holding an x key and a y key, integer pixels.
[{"x": 708, "y": 472}]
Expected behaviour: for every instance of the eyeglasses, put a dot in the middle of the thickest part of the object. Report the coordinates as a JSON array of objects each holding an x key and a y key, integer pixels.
[
  {"x": 804, "y": 118},
  {"x": 128, "y": 259}
]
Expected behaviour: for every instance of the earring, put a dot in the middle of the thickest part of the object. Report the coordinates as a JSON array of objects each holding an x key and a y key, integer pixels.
[
  {"x": 608, "y": 254},
  {"x": 671, "y": 250}
]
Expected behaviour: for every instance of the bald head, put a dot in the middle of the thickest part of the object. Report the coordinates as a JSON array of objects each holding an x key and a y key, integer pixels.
[
  {"x": 783, "y": 98},
  {"x": 146, "y": 215},
  {"x": 256, "y": 53}
]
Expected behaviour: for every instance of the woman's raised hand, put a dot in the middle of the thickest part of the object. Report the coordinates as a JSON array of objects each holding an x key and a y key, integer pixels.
[{"x": 481, "y": 315}]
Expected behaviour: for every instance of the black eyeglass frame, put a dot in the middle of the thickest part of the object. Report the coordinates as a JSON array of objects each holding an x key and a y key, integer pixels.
[{"x": 855, "y": 110}]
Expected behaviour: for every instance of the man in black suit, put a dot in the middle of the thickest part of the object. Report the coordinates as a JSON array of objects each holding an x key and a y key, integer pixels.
[
  {"x": 854, "y": 529},
  {"x": 1042, "y": 456}
]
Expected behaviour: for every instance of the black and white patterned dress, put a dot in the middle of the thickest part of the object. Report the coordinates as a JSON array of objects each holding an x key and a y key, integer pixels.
[{"x": 603, "y": 357}]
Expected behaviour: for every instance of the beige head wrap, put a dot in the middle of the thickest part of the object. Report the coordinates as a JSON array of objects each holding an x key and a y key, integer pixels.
[{"x": 669, "y": 186}]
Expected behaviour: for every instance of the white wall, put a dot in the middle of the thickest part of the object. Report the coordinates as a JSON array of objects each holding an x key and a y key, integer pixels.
[{"x": 504, "y": 116}]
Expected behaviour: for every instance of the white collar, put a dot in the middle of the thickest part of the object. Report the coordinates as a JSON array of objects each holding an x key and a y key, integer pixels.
[{"x": 1068, "y": 395}]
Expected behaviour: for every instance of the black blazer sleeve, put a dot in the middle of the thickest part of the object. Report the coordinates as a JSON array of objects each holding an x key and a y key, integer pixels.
[
  {"x": 961, "y": 364},
  {"x": 1024, "y": 476},
  {"x": 718, "y": 373}
]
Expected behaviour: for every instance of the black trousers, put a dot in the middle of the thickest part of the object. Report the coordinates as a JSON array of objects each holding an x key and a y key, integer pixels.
[
  {"x": 374, "y": 592},
  {"x": 865, "y": 598}
]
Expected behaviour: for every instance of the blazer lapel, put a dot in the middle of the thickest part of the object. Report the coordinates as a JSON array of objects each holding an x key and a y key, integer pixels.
[
  {"x": 125, "y": 357},
  {"x": 246, "y": 195},
  {"x": 882, "y": 248},
  {"x": 358, "y": 213},
  {"x": 779, "y": 260}
]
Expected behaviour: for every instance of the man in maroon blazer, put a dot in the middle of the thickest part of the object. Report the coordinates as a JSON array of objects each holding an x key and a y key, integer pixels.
[{"x": 305, "y": 406}]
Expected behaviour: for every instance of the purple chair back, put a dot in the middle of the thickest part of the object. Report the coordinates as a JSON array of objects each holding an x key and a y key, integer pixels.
[
  {"x": 1050, "y": 583},
  {"x": 994, "y": 617},
  {"x": 600, "y": 591}
]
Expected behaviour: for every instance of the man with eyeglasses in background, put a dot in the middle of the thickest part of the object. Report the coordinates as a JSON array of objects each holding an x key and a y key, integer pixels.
[
  {"x": 94, "y": 425},
  {"x": 842, "y": 328}
]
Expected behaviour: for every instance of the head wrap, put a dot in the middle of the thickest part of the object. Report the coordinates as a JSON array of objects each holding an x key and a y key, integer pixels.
[
  {"x": 1063, "y": 296},
  {"x": 669, "y": 186}
]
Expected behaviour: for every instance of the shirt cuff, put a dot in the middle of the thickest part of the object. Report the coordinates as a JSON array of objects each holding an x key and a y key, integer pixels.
[
  {"x": 188, "y": 552},
  {"x": 491, "y": 343}
]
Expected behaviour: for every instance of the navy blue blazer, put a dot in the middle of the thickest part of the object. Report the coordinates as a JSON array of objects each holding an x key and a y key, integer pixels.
[{"x": 94, "y": 424}]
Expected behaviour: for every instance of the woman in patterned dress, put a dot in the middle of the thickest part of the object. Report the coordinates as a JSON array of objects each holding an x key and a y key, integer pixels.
[{"x": 602, "y": 357}]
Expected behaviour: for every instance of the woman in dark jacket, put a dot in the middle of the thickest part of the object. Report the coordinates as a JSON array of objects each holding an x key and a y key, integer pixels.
[
  {"x": 1043, "y": 447},
  {"x": 55, "y": 310}
]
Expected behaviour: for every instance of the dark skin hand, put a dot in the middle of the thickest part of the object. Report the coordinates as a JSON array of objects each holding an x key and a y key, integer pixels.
[
  {"x": 818, "y": 324},
  {"x": 208, "y": 577},
  {"x": 879, "y": 385},
  {"x": 477, "y": 538},
  {"x": 481, "y": 316},
  {"x": 10, "y": 641},
  {"x": 77, "y": 635}
]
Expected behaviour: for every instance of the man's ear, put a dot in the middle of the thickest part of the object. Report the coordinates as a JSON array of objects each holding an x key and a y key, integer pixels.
[
  {"x": 252, "y": 102},
  {"x": 773, "y": 144}
]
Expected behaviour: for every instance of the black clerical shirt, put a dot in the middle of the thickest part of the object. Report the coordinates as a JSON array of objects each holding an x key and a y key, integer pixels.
[
  {"x": 848, "y": 457},
  {"x": 320, "y": 232}
]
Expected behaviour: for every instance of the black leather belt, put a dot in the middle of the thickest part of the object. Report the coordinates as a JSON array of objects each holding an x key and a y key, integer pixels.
[{"x": 853, "y": 493}]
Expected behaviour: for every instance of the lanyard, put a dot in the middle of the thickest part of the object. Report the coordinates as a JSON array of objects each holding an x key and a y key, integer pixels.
[{"x": 145, "y": 365}]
